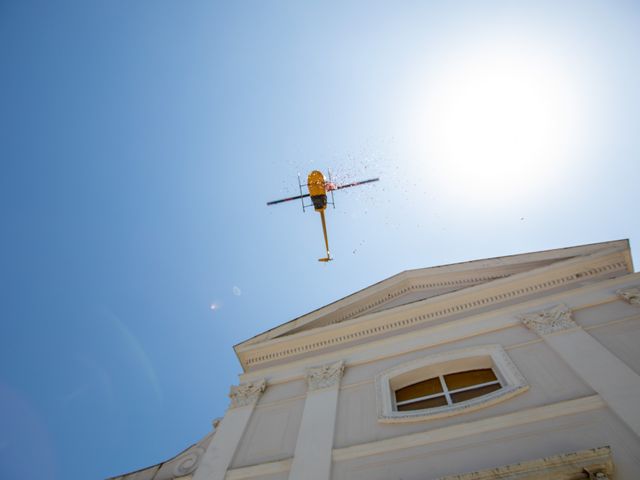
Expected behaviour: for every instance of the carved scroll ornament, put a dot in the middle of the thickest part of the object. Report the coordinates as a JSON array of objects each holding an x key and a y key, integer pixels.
[
  {"x": 325, "y": 376},
  {"x": 630, "y": 295},
  {"x": 246, "y": 393},
  {"x": 188, "y": 462},
  {"x": 549, "y": 321}
]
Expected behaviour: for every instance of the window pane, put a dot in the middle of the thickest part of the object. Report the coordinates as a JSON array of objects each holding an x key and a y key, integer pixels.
[
  {"x": 431, "y": 403},
  {"x": 421, "y": 389},
  {"x": 476, "y": 392},
  {"x": 469, "y": 378}
]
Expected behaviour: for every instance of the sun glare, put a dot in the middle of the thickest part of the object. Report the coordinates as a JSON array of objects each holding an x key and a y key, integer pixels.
[{"x": 496, "y": 125}]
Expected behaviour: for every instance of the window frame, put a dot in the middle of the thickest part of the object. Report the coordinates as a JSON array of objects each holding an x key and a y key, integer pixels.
[
  {"x": 446, "y": 392},
  {"x": 438, "y": 365}
]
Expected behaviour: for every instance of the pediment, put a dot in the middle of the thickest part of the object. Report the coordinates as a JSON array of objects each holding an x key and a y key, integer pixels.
[{"x": 414, "y": 286}]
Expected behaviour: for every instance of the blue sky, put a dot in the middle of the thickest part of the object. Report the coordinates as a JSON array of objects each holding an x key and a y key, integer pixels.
[{"x": 140, "y": 141}]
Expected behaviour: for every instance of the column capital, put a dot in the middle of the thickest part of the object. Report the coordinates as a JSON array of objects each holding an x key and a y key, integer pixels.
[
  {"x": 325, "y": 376},
  {"x": 549, "y": 321},
  {"x": 597, "y": 474},
  {"x": 246, "y": 393},
  {"x": 630, "y": 295}
]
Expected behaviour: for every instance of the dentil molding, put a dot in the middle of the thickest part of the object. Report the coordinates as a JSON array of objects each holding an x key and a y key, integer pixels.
[
  {"x": 325, "y": 376},
  {"x": 246, "y": 393},
  {"x": 549, "y": 321},
  {"x": 427, "y": 311}
]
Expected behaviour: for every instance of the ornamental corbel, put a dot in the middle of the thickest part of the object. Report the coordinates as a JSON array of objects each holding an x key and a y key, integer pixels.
[
  {"x": 549, "y": 321},
  {"x": 596, "y": 474},
  {"x": 325, "y": 376},
  {"x": 246, "y": 393},
  {"x": 630, "y": 295}
]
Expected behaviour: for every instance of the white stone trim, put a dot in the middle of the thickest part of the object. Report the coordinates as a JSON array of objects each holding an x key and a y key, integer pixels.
[
  {"x": 426, "y": 311},
  {"x": 314, "y": 445},
  {"x": 467, "y": 429},
  {"x": 549, "y": 321},
  {"x": 630, "y": 295},
  {"x": 246, "y": 393},
  {"x": 325, "y": 376},
  {"x": 594, "y": 463},
  {"x": 430, "y": 336},
  {"x": 462, "y": 282},
  {"x": 486, "y": 356},
  {"x": 262, "y": 469},
  {"x": 513, "y": 266},
  {"x": 188, "y": 462}
]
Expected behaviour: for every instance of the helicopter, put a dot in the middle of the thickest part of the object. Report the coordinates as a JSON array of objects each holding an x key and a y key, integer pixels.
[{"x": 318, "y": 187}]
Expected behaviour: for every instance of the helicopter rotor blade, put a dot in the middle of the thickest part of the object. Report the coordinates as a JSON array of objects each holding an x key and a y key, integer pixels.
[
  {"x": 297, "y": 197},
  {"x": 355, "y": 184}
]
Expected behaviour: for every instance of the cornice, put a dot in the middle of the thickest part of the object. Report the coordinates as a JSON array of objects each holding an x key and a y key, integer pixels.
[
  {"x": 452, "y": 276},
  {"x": 416, "y": 287},
  {"x": 479, "y": 323},
  {"x": 519, "y": 286},
  {"x": 594, "y": 463}
]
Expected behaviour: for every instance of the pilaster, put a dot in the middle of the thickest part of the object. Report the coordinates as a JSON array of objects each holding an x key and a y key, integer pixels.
[
  {"x": 312, "y": 458},
  {"x": 222, "y": 448},
  {"x": 616, "y": 383}
]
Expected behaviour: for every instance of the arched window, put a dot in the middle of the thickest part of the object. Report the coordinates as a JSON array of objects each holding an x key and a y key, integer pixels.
[
  {"x": 447, "y": 389},
  {"x": 447, "y": 384}
]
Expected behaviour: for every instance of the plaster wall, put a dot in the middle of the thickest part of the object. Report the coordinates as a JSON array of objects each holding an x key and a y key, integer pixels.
[
  {"x": 477, "y": 452},
  {"x": 549, "y": 378},
  {"x": 623, "y": 340},
  {"x": 273, "y": 429},
  {"x": 604, "y": 313}
]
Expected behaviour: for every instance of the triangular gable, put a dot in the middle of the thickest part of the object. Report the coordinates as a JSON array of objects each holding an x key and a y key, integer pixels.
[{"x": 416, "y": 285}]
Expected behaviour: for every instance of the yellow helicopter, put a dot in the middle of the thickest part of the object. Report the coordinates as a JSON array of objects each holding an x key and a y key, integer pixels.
[{"x": 318, "y": 187}]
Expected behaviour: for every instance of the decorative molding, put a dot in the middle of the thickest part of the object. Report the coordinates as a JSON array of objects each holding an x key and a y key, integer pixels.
[
  {"x": 246, "y": 393},
  {"x": 215, "y": 422},
  {"x": 325, "y": 376},
  {"x": 493, "y": 356},
  {"x": 600, "y": 474},
  {"x": 467, "y": 429},
  {"x": 439, "y": 435},
  {"x": 594, "y": 464},
  {"x": 187, "y": 463},
  {"x": 549, "y": 321},
  {"x": 300, "y": 343},
  {"x": 464, "y": 282},
  {"x": 630, "y": 295},
  {"x": 262, "y": 469}
]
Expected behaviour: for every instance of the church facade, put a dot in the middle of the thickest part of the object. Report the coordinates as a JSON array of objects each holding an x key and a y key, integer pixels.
[{"x": 517, "y": 367}]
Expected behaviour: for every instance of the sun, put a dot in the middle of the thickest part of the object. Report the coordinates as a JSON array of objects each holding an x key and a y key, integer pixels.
[{"x": 498, "y": 122}]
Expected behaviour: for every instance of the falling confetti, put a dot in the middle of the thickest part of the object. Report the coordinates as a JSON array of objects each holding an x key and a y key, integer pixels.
[{"x": 236, "y": 291}]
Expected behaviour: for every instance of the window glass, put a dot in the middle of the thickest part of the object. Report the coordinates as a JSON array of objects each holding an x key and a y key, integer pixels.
[
  {"x": 419, "y": 405},
  {"x": 469, "y": 378},
  {"x": 447, "y": 389},
  {"x": 420, "y": 389},
  {"x": 476, "y": 392}
]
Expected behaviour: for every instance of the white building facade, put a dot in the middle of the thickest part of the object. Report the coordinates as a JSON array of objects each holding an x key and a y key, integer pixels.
[{"x": 519, "y": 367}]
